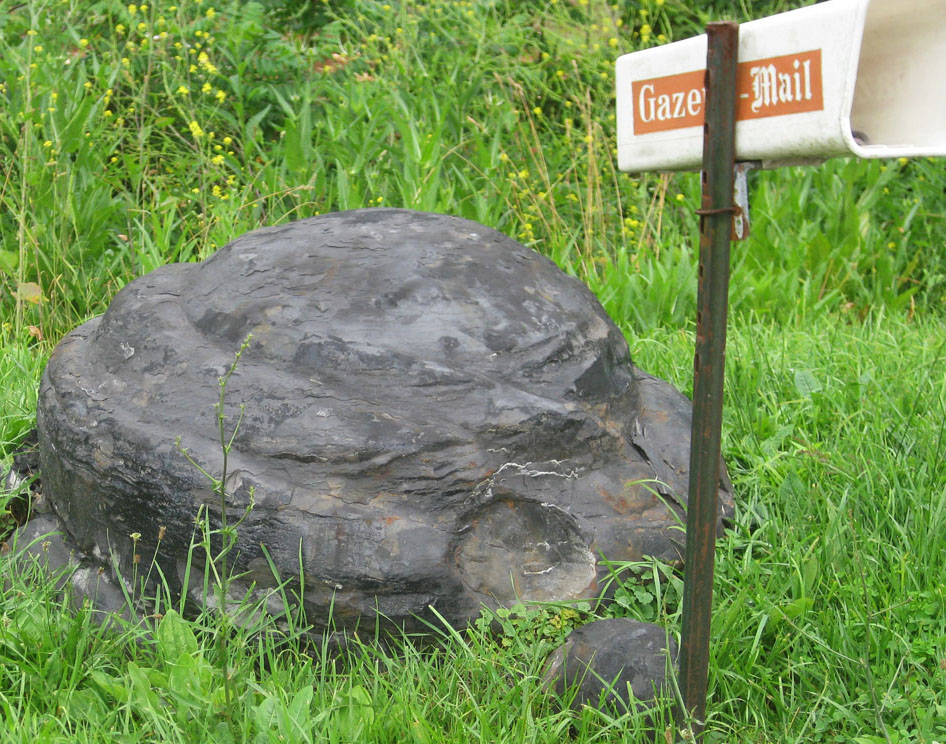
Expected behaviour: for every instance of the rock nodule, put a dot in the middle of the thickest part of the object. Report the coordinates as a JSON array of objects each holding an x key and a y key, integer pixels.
[{"x": 616, "y": 663}]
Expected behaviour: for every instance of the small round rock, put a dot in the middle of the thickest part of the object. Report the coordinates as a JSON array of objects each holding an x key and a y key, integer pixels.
[{"x": 605, "y": 659}]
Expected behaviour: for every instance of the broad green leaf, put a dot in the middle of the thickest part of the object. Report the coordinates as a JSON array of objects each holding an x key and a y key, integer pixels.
[
  {"x": 792, "y": 488},
  {"x": 191, "y": 679},
  {"x": 265, "y": 715},
  {"x": 84, "y": 703},
  {"x": 772, "y": 444},
  {"x": 253, "y": 125},
  {"x": 798, "y": 607},
  {"x": 806, "y": 383},
  {"x": 301, "y": 701},
  {"x": 811, "y": 572},
  {"x": 354, "y": 711},
  {"x": 141, "y": 687},
  {"x": 222, "y": 733},
  {"x": 71, "y": 136},
  {"x": 109, "y": 686},
  {"x": 175, "y": 637}
]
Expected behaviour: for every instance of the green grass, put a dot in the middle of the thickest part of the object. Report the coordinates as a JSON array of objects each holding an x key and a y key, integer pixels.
[
  {"x": 830, "y": 616},
  {"x": 133, "y": 136}
]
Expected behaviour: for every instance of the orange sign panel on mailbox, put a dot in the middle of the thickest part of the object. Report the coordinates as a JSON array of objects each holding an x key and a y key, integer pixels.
[{"x": 776, "y": 86}]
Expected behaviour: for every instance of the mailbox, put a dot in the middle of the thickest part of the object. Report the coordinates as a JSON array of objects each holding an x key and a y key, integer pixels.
[{"x": 843, "y": 77}]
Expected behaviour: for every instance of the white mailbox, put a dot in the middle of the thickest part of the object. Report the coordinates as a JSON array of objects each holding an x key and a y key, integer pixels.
[{"x": 843, "y": 77}]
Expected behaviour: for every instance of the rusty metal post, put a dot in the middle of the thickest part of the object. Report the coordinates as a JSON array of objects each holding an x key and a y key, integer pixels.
[{"x": 708, "y": 364}]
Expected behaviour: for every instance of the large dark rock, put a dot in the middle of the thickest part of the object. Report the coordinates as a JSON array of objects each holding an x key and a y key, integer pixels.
[{"x": 434, "y": 415}]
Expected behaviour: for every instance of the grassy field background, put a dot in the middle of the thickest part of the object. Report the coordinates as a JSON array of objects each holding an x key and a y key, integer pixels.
[{"x": 136, "y": 135}]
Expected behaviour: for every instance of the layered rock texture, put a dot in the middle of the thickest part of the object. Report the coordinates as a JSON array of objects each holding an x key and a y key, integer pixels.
[{"x": 434, "y": 415}]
